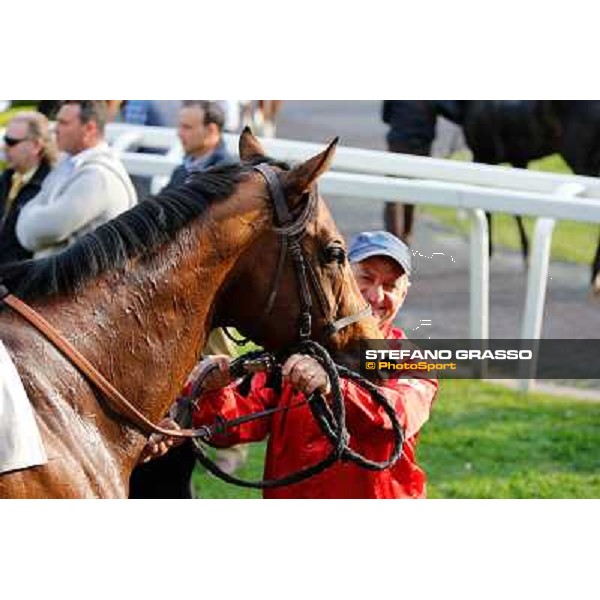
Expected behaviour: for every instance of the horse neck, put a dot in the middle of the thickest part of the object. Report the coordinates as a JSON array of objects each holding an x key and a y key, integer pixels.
[{"x": 143, "y": 328}]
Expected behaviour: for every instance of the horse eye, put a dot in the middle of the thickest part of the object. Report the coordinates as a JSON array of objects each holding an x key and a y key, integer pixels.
[{"x": 335, "y": 254}]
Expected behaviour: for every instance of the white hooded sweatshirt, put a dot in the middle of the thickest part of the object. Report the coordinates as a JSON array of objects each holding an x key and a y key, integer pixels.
[{"x": 81, "y": 193}]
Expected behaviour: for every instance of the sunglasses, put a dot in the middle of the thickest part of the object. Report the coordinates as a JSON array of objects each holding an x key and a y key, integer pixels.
[{"x": 11, "y": 141}]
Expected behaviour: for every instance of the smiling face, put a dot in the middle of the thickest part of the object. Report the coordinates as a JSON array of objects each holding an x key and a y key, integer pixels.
[{"x": 384, "y": 285}]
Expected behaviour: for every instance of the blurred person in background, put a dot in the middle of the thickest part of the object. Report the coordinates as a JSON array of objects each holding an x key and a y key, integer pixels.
[
  {"x": 30, "y": 153},
  {"x": 155, "y": 113},
  {"x": 200, "y": 129},
  {"x": 88, "y": 187},
  {"x": 151, "y": 113}
]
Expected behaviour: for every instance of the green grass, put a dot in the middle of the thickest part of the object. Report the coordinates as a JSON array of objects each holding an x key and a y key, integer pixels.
[
  {"x": 572, "y": 241},
  {"x": 485, "y": 441},
  {"x": 207, "y": 486}
]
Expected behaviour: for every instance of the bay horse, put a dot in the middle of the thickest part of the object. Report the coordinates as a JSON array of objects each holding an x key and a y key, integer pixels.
[
  {"x": 138, "y": 296},
  {"x": 519, "y": 131}
]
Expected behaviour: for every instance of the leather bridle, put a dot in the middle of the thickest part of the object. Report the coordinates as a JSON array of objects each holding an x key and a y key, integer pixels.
[{"x": 290, "y": 232}]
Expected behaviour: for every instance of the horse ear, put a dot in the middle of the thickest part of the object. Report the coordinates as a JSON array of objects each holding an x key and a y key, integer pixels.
[
  {"x": 249, "y": 145},
  {"x": 298, "y": 181}
]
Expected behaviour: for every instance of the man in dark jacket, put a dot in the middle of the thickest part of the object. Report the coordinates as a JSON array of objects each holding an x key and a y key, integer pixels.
[
  {"x": 30, "y": 154},
  {"x": 200, "y": 131}
]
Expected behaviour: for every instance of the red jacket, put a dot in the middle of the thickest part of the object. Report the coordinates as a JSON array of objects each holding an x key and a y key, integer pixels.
[{"x": 296, "y": 442}]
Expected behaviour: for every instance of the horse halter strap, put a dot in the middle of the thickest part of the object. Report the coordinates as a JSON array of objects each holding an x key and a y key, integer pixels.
[{"x": 291, "y": 233}]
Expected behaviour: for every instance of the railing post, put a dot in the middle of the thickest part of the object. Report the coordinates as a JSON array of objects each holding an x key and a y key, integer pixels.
[
  {"x": 537, "y": 278},
  {"x": 479, "y": 320}
]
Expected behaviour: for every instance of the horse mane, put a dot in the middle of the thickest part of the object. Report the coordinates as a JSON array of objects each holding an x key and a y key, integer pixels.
[{"x": 136, "y": 233}]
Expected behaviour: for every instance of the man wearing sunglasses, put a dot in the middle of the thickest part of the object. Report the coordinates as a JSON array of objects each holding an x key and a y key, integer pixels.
[
  {"x": 30, "y": 153},
  {"x": 88, "y": 187}
]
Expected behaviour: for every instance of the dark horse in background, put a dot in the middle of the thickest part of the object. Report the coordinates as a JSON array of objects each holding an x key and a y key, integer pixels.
[{"x": 517, "y": 132}]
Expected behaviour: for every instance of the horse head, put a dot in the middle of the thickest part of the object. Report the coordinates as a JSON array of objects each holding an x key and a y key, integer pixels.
[{"x": 272, "y": 282}]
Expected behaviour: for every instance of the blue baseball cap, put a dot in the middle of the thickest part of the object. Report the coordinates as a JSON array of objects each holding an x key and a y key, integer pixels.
[{"x": 380, "y": 243}]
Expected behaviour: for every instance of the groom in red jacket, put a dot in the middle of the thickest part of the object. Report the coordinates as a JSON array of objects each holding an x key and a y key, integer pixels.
[{"x": 382, "y": 267}]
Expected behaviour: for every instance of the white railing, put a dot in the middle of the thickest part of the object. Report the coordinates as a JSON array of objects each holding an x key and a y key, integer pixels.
[
  {"x": 358, "y": 160},
  {"x": 367, "y": 175}
]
